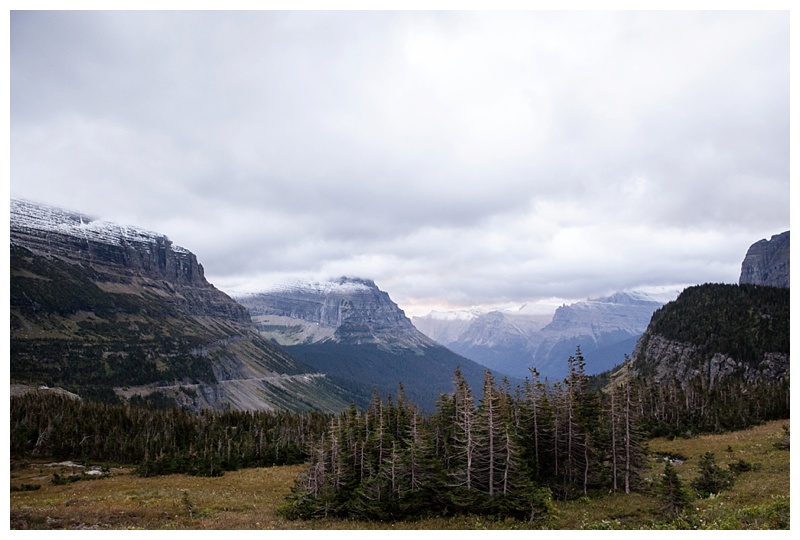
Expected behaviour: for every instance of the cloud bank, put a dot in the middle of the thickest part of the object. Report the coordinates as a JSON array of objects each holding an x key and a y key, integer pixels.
[{"x": 456, "y": 158}]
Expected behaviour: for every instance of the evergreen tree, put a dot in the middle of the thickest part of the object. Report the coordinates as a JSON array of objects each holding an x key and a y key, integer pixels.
[
  {"x": 712, "y": 478},
  {"x": 673, "y": 494}
]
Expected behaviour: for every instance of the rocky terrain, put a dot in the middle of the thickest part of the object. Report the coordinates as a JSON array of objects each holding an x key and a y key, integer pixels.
[
  {"x": 343, "y": 310},
  {"x": 715, "y": 331},
  {"x": 767, "y": 262},
  {"x": 111, "y": 312}
]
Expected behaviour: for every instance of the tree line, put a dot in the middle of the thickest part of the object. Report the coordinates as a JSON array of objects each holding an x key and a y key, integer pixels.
[
  {"x": 159, "y": 441},
  {"x": 742, "y": 321},
  {"x": 509, "y": 453}
]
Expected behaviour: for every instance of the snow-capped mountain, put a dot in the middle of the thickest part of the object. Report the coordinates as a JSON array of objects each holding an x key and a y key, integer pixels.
[
  {"x": 37, "y": 219},
  {"x": 343, "y": 310},
  {"x": 351, "y": 330},
  {"x": 605, "y": 328},
  {"x": 111, "y": 311}
]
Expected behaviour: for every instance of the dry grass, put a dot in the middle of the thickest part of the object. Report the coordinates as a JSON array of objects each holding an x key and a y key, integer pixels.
[{"x": 247, "y": 499}]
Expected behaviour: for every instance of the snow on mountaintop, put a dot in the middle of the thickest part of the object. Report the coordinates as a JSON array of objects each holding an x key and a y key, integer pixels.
[
  {"x": 342, "y": 285},
  {"x": 33, "y": 216},
  {"x": 453, "y": 315},
  {"x": 657, "y": 296}
]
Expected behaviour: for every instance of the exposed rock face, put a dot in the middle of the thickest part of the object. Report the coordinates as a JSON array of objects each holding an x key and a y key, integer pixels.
[
  {"x": 767, "y": 262},
  {"x": 665, "y": 359},
  {"x": 107, "y": 310},
  {"x": 715, "y": 331},
  {"x": 344, "y": 310},
  {"x": 121, "y": 256}
]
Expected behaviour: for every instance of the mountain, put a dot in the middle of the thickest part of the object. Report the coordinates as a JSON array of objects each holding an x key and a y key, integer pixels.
[
  {"x": 351, "y": 330},
  {"x": 718, "y": 331},
  {"x": 767, "y": 262},
  {"x": 114, "y": 312},
  {"x": 512, "y": 341}
]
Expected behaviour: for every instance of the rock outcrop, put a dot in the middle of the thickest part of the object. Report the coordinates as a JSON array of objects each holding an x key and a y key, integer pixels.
[
  {"x": 715, "y": 331},
  {"x": 767, "y": 262},
  {"x": 121, "y": 256},
  {"x": 664, "y": 359}
]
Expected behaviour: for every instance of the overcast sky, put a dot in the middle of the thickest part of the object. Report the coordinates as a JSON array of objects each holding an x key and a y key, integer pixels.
[{"x": 457, "y": 158}]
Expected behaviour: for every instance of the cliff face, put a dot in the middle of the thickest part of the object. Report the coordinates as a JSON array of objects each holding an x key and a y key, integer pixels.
[
  {"x": 715, "y": 331},
  {"x": 109, "y": 311},
  {"x": 344, "y": 310},
  {"x": 664, "y": 359},
  {"x": 121, "y": 256},
  {"x": 767, "y": 262}
]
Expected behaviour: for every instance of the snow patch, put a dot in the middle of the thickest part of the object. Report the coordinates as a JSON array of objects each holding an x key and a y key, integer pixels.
[
  {"x": 339, "y": 286},
  {"x": 26, "y": 215}
]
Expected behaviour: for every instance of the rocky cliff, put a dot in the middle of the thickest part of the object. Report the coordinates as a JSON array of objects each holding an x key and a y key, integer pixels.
[
  {"x": 121, "y": 256},
  {"x": 715, "y": 331},
  {"x": 343, "y": 310},
  {"x": 767, "y": 262},
  {"x": 109, "y": 311}
]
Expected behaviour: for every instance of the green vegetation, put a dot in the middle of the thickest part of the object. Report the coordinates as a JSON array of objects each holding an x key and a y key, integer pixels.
[
  {"x": 713, "y": 479},
  {"x": 742, "y": 321},
  {"x": 248, "y": 498},
  {"x": 674, "y": 496},
  {"x": 360, "y": 369},
  {"x": 67, "y": 331},
  {"x": 158, "y": 441},
  {"x": 507, "y": 457}
]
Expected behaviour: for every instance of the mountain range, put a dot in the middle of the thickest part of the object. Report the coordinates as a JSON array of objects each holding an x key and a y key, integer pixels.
[
  {"x": 513, "y": 341},
  {"x": 113, "y": 312}
]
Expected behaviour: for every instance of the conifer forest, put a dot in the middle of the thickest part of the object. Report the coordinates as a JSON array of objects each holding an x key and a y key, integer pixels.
[{"x": 509, "y": 453}]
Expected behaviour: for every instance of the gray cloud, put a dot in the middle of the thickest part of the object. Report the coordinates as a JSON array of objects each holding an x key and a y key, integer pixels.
[{"x": 457, "y": 158}]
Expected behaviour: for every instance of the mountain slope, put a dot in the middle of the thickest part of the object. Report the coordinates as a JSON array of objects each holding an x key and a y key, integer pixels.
[
  {"x": 351, "y": 330},
  {"x": 109, "y": 311}
]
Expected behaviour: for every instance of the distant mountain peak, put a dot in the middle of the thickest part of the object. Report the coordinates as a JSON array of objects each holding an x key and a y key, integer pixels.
[
  {"x": 512, "y": 340},
  {"x": 344, "y": 309}
]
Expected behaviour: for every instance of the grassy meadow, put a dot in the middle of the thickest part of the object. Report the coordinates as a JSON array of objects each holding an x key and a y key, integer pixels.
[{"x": 248, "y": 498}]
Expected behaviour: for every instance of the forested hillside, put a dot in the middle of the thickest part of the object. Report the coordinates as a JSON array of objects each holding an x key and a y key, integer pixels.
[{"x": 741, "y": 321}]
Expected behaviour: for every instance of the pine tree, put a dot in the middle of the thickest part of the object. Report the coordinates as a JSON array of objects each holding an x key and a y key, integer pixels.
[
  {"x": 712, "y": 478},
  {"x": 673, "y": 494}
]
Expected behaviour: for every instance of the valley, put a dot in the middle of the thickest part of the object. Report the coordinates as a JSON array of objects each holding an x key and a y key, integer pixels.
[{"x": 154, "y": 371}]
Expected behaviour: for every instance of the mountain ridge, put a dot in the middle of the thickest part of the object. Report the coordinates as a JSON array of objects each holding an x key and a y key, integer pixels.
[{"x": 111, "y": 312}]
